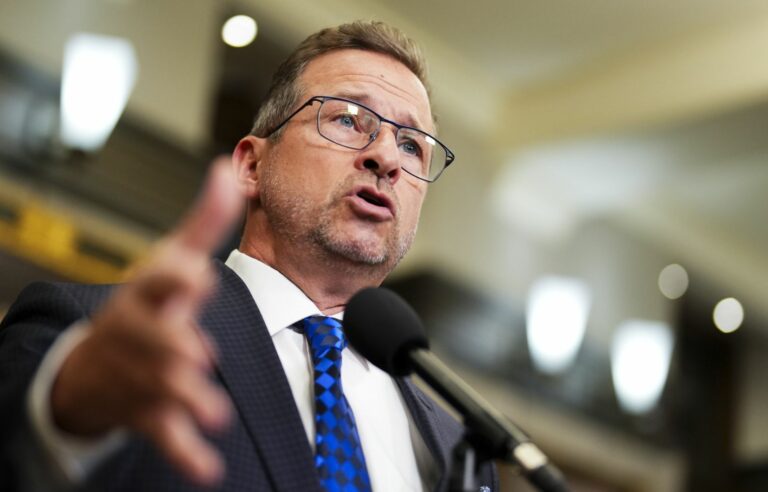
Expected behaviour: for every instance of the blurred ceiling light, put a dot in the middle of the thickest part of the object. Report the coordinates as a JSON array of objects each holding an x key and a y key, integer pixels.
[
  {"x": 239, "y": 31},
  {"x": 673, "y": 281},
  {"x": 728, "y": 315},
  {"x": 556, "y": 320},
  {"x": 640, "y": 355},
  {"x": 98, "y": 77}
]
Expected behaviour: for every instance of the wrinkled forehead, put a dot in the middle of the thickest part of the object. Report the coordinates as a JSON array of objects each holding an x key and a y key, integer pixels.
[{"x": 376, "y": 80}]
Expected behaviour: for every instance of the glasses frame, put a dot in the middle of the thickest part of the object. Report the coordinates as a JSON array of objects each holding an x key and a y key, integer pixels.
[{"x": 449, "y": 155}]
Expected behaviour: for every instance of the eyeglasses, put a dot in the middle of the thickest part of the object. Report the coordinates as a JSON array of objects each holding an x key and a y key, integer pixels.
[{"x": 354, "y": 126}]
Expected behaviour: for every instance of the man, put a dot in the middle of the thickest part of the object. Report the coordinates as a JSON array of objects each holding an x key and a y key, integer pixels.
[{"x": 169, "y": 383}]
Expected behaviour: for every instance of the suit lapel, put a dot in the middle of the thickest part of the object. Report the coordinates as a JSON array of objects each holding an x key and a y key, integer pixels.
[
  {"x": 439, "y": 431},
  {"x": 251, "y": 371}
]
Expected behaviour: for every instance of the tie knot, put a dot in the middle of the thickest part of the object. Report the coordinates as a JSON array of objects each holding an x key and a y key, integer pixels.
[{"x": 324, "y": 333}]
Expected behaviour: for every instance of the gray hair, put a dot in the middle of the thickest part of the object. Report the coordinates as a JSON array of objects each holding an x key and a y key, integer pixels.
[{"x": 376, "y": 36}]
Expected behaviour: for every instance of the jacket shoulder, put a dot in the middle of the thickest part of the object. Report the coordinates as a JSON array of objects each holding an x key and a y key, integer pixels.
[{"x": 55, "y": 302}]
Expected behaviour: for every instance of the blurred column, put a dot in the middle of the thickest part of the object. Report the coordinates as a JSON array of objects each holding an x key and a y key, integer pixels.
[{"x": 706, "y": 409}]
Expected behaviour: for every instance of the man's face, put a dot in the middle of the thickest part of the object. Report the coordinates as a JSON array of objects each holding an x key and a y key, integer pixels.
[{"x": 354, "y": 204}]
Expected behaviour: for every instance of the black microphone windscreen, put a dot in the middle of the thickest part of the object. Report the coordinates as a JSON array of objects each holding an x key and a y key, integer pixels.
[{"x": 383, "y": 328}]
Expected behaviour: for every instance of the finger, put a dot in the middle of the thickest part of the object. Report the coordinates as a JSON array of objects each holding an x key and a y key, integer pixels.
[
  {"x": 138, "y": 371},
  {"x": 215, "y": 212},
  {"x": 136, "y": 332},
  {"x": 209, "y": 345},
  {"x": 161, "y": 360},
  {"x": 186, "y": 385},
  {"x": 184, "y": 336},
  {"x": 173, "y": 273},
  {"x": 193, "y": 344},
  {"x": 173, "y": 431}
]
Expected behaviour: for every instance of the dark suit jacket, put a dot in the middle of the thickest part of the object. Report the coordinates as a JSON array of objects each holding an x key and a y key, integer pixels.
[{"x": 265, "y": 447}]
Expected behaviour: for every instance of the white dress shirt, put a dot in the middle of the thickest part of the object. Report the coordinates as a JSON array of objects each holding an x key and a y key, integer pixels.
[{"x": 395, "y": 453}]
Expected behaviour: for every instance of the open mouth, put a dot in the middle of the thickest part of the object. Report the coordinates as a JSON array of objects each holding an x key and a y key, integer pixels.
[
  {"x": 373, "y": 203},
  {"x": 372, "y": 199}
]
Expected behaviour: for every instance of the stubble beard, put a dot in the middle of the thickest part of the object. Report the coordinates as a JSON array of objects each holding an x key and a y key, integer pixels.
[{"x": 320, "y": 228}]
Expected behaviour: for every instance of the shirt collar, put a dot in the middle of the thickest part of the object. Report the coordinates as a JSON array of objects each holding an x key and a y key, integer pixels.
[{"x": 280, "y": 301}]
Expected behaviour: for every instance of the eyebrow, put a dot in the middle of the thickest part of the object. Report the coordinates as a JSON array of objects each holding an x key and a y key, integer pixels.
[{"x": 366, "y": 100}]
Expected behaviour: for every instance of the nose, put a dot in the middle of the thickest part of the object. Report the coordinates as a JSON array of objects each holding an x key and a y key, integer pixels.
[{"x": 382, "y": 156}]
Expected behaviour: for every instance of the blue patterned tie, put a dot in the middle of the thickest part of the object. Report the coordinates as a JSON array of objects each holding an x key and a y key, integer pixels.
[{"x": 338, "y": 454}]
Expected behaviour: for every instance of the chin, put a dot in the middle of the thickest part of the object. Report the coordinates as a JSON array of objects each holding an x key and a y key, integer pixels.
[
  {"x": 363, "y": 246},
  {"x": 362, "y": 254},
  {"x": 369, "y": 251}
]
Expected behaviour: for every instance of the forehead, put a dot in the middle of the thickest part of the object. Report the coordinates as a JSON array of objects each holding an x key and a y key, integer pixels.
[{"x": 375, "y": 79}]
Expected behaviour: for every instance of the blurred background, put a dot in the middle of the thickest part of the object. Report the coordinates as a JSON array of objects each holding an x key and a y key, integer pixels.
[{"x": 593, "y": 263}]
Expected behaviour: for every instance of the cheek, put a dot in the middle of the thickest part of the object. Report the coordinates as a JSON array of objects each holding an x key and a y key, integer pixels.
[
  {"x": 319, "y": 167},
  {"x": 295, "y": 172},
  {"x": 411, "y": 203}
]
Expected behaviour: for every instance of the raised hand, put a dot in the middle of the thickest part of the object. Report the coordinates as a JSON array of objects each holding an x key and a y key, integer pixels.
[{"x": 144, "y": 364}]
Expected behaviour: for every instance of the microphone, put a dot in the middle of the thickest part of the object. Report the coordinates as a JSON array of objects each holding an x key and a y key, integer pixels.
[{"x": 384, "y": 329}]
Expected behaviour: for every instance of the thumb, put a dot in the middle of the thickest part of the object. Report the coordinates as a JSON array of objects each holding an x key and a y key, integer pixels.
[{"x": 216, "y": 211}]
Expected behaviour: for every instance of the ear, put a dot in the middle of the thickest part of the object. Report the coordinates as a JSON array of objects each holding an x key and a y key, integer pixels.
[{"x": 246, "y": 160}]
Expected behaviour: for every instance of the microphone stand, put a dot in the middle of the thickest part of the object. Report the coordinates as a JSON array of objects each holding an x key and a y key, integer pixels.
[
  {"x": 465, "y": 466},
  {"x": 469, "y": 458},
  {"x": 490, "y": 435}
]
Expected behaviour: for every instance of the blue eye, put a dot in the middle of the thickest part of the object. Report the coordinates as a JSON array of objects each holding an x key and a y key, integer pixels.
[
  {"x": 411, "y": 147},
  {"x": 347, "y": 120}
]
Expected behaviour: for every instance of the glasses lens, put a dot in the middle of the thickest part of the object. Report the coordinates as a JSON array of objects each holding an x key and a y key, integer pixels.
[
  {"x": 422, "y": 155},
  {"x": 353, "y": 126},
  {"x": 346, "y": 123}
]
